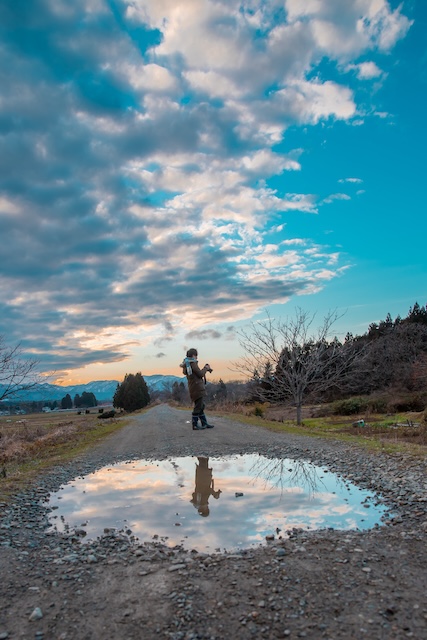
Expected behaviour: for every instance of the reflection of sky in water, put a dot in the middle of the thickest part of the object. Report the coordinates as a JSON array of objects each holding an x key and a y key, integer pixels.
[{"x": 196, "y": 501}]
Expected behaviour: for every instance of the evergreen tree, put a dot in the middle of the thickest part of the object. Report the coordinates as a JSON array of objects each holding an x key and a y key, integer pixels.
[
  {"x": 417, "y": 314},
  {"x": 132, "y": 394},
  {"x": 88, "y": 399},
  {"x": 66, "y": 402}
]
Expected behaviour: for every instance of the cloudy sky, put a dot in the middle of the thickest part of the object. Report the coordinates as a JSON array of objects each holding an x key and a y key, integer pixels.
[{"x": 171, "y": 169}]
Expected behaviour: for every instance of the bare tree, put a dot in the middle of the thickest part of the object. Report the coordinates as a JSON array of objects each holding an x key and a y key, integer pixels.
[
  {"x": 16, "y": 373},
  {"x": 294, "y": 362}
]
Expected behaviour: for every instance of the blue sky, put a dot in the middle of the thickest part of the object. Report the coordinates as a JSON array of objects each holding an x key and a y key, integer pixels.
[{"x": 171, "y": 170}]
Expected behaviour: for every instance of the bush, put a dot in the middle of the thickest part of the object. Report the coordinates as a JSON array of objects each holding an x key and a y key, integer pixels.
[
  {"x": 349, "y": 407},
  {"x": 410, "y": 402},
  {"x": 379, "y": 405},
  {"x": 106, "y": 414},
  {"x": 258, "y": 410}
]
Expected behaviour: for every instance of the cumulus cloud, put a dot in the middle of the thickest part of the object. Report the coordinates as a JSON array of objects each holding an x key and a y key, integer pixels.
[
  {"x": 344, "y": 29},
  {"x": 365, "y": 70},
  {"x": 137, "y": 141}
]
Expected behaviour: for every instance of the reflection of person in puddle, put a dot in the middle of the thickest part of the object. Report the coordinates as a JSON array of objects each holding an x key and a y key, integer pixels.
[{"x": 204, "y": 487}]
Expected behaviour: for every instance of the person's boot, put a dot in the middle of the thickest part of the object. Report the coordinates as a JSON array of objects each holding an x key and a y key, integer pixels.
[
  {"x": 204, "y": 422},
  {"x": 195, "y": 420}
]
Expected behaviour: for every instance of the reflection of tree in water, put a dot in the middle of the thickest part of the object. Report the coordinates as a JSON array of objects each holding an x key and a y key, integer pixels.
[
  {"x": 286, "y": 473},
  {"x": 204, "y": 487}
]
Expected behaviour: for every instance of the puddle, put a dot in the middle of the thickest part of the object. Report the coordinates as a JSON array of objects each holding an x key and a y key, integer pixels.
[{"x": 212, "y": 504}]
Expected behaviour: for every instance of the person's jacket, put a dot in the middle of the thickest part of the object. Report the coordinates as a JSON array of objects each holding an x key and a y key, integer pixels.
[{"x": 196, "y": 380}]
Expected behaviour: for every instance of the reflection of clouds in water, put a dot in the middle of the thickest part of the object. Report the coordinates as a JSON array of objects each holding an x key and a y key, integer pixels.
[
  {"x": 125, "y": 477},
  {"x": 153, "y": 498}
]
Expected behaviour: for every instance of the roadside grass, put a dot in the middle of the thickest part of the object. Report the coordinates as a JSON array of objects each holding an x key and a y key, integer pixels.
[
  {"x": 32, "y": 445},
  {"x": 399, "y": 433}
]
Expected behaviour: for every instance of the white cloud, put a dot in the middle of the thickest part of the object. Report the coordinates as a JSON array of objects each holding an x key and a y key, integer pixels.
[
  {"x": 8, "y": 207},
  {"x": 150, "y": 76},
  {"x": 216, "y": 85},
  {"x": 311, "y": 101},
  {"x": 342, "y": 29},
  {"x": 335, "y": 196},
  {"x": 365, "y": 70}
]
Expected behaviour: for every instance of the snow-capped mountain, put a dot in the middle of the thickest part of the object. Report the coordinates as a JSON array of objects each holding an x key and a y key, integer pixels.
[{"x": 102, "y": 389}]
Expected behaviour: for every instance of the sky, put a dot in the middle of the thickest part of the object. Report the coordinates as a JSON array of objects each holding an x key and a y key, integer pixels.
[{"x": 173, "y": 170}]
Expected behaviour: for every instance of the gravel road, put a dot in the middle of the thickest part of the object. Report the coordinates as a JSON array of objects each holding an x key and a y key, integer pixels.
[{"x": 319, "y": 584}]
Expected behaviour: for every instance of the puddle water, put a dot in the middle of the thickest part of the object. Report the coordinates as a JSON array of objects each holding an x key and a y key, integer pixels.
[{"x": 212, "y": 504}]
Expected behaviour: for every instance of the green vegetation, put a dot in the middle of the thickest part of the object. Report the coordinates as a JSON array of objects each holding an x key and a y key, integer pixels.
[{"x": 400, "y": 433}]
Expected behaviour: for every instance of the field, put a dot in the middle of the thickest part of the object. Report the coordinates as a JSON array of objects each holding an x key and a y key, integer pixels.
[{"x": 30, "y": 443}]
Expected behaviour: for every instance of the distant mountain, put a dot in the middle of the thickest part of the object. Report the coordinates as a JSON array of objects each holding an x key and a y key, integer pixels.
[{"x": 102, "y": 389}]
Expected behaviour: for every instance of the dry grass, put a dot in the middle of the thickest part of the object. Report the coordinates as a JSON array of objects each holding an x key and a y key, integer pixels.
[{"x": 34, "y": 442}]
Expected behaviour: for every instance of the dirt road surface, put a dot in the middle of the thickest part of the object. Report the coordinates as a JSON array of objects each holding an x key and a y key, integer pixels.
[{"x": 318, "y": 584}]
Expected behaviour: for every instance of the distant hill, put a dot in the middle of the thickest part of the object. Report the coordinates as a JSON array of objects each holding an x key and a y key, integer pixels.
[{"x": 102, "y": 389}]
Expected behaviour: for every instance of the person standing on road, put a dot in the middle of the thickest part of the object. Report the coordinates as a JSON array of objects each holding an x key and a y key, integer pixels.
[{"x": 196, "y": 379}]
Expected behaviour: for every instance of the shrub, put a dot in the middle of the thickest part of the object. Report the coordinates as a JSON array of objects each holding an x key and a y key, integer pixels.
[
  {"x": 379, "y": 405},
  {"x": 106, "y": 414},
  {"x": 258, "y": 409},
  {"x": 349, "y": 407},
  {"x": 409, "y": 402}
]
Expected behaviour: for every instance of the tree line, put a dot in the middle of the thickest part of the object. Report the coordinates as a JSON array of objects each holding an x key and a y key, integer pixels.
[
  {"x": 84, "y": 401},
  {"x": 287, "y": 362}
]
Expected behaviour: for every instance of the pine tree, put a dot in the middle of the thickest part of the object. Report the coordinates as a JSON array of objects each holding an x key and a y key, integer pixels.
[
  {"x": 132, "y": 394},
  {"x": 66, "y": 402},
  {"x": 88, "y": 399}
]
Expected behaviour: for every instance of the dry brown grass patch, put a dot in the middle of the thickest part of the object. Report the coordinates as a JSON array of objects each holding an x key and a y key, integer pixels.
[{"x": 21, "y": 439}]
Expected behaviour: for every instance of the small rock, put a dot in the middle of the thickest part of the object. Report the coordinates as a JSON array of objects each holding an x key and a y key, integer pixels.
[
  {"x": 36, "y": 615},
  {"x": 175, "y": 567}
]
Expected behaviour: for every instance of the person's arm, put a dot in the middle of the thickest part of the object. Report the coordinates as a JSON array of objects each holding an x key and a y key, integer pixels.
[{"x": 200, "y": 373}]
